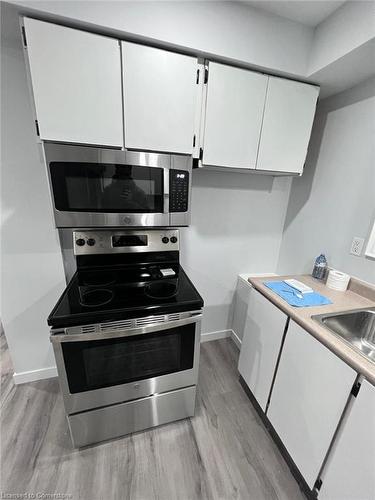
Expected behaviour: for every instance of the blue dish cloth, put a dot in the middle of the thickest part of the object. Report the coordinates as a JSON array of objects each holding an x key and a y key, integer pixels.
[{"x": 289, "y": 294}]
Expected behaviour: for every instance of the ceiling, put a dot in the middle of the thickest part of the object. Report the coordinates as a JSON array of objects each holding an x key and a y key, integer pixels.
[{"x": 308, "y": 12}]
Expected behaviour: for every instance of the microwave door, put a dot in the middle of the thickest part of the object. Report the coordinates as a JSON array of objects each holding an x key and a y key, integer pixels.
[{"x": 104, "y": 194}]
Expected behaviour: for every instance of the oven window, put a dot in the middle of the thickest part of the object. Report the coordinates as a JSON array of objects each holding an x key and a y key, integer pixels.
[
  {"x": 102, "y": 363},
  {"x": 92, "y": 187}
]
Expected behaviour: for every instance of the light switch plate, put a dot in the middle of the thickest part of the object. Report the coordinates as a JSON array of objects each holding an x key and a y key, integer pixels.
[{"x": 357, "y": 246}]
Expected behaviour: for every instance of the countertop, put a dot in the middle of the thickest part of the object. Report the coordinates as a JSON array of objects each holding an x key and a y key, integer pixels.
[{"x": 341, "y": 301}]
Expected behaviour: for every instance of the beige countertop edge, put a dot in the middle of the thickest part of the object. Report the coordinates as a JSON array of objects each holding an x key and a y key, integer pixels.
[{"x": 342, "y": 301}]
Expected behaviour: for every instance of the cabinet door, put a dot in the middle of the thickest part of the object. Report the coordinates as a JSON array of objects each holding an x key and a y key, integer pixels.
[
  {"x": 311, "y": 389},
  {"x": 350, "y": 472},
  {"x": 261, "y": 343},
  {"x": 76, "y": 80},
  {"x": 288, "y": 118},
  {"x": 160, "y": 94},
  {"x": 234, "y": 109}
]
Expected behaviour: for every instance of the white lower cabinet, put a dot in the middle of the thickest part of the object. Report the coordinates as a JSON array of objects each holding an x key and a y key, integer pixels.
[
  {"x": 263, "y": 333},
  {"x": 311, "y": 389},
  {"x": 241, "y": 305},
  {"x": 350, "y": 470}
]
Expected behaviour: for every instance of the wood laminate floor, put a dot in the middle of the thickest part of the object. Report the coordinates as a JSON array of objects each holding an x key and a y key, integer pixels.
[{"x": 224, "y": 452}]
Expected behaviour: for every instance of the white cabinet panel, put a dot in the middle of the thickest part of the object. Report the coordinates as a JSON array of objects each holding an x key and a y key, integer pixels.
[
  {"x": 234, "y": 109},
  {"x": 76, "y": 80},
  {"x": 350, "y": 473},
  {"x": 311, "y": 389},
  {"x": 287, "y": 122},
  {"x": 241, "y": 306},
  {"x": 160, "y": 95},
  {"x": 264, "y": 329}
]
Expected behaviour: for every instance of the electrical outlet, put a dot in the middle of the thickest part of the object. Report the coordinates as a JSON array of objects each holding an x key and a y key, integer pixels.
[{"x": 357, "y": 245}]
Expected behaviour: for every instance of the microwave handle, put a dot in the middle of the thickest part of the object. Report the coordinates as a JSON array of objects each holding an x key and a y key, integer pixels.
[
  {"x": 126, "y": 332},
  {"x": 166, "y": 191}
]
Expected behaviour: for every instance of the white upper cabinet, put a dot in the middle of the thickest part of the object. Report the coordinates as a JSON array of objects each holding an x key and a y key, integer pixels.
[
  {"x": 350, "y": 472},
  {"x": 76, "y": 80},
  {"x": 233, "y": 116},
  {"x": 160, "y": 96},
  {"x": 287, "y": 122},
  {"x": 312, "y": 386},
  {"x": 261, "y": 343},
  {"x": 155, "y": 101}
]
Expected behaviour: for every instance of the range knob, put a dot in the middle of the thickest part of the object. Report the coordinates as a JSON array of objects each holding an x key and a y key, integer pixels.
[
  {"x": 173, "y": 239},
  {"x": 80, "y": 242},
  {"x": 165, "y": 239},
  {"x": 91, "y": 242}
]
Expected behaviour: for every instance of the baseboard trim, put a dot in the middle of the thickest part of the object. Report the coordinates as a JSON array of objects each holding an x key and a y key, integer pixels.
[
  {"x": 236, "y": 339},
  {"x": 220, "y": 334},
  {"x": 33, "y": 375}
]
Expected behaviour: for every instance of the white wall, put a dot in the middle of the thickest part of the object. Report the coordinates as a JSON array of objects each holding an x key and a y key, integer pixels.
[
  {"x": 335, "y": 198},
  {"x": 347, "y": 28},
  {"x": 343, "y": 49},
  {"x": 231, "y": 30},
  {"x": 32, "y": 273},
  {"x": 237, "y": 223}
]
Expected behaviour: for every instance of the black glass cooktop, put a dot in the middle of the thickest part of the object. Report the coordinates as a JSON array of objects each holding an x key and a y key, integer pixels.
[{"x": 113, "y": 293}]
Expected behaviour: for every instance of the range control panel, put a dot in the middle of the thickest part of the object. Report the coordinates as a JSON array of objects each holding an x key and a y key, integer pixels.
[
  {"x": 110, "y": 241},
  {"x": 178, "y": 190}
]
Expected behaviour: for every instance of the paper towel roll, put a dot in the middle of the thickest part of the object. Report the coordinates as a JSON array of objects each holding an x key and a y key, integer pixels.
[{"x": 337, "y": 280}]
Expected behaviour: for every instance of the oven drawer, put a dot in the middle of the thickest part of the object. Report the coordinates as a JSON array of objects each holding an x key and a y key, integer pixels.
[{"x": 117, "y": 420}]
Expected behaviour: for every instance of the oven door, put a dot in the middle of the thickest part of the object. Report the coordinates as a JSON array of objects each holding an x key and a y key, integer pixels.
[
  {"x": 117, "y": 364},
  {"x": 93, "y": 187}
]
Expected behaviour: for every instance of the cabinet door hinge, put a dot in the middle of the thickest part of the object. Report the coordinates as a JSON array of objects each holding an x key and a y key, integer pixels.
[
  {"x": 37, "y": 128},
  {"x": 197, "y": 76},
  {"x": 205, "y": 75},
  {"x": 318, "y": 484},
  {"x": 355, "y": 389},
  {"x": 201, "y": 154},
  {"x": 23, "y": 36},
  {"x": 194, "y": 141}
]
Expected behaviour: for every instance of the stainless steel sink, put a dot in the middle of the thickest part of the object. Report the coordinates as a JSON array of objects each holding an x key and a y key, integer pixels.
[{"x": 357, "y": 328}]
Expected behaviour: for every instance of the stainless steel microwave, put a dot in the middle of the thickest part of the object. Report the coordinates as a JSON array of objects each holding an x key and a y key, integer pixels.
[{"x": 94, "y": 187}]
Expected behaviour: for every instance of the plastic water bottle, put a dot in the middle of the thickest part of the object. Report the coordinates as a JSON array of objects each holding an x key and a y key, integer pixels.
[{"x": 320, "y": 267}]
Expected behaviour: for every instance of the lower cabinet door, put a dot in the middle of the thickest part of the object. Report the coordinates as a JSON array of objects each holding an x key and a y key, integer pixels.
[
  {"x": 261, "y": 343},
  {"x": 350, "y": 470},
  {"x": 311, "y": 389}
]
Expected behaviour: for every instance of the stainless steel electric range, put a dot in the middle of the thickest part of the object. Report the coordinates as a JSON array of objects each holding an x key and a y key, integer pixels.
[{"x": 126, "y": 334}]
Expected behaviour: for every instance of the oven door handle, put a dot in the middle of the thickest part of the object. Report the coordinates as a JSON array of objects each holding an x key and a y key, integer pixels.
[{"x": 126, "y": 332}]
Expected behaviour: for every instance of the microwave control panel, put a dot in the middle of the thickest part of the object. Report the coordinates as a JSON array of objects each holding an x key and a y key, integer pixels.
[{"x": 178, "y": 190}]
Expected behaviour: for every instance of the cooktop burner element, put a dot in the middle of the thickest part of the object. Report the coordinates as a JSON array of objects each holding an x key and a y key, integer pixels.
[
  {"x": 96, "y": 297},
  {"x": 161, "y": 290},
  {"x": 118, "y": 284},
  {"x": 98, "y": 279}
]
